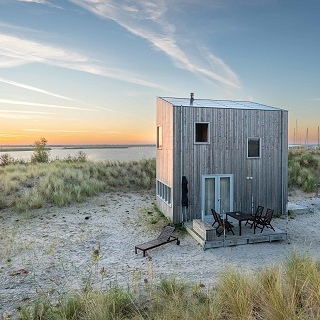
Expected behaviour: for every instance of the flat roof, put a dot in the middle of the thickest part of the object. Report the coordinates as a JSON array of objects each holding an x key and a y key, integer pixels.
[{"x": 223, "y": 104}]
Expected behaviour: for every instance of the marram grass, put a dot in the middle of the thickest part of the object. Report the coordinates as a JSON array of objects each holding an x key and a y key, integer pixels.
[
  {"x": 30, "y": 185},
  {"x": 289, "y": 291},
  {"x": 303, "y": 169}
]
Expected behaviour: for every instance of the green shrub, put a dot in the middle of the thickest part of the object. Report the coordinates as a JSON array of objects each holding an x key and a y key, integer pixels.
[
  {"x": 40, "y": 152},
  {"x": 79, "y": 157},
  {"x": 6, "y": 159}
]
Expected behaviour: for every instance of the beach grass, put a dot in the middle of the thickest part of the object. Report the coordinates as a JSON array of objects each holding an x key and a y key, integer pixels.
[
  {"x": 288, "y": 291},
  {"x": 27, "y": 186},
  {"x": 303, "y": 169}
]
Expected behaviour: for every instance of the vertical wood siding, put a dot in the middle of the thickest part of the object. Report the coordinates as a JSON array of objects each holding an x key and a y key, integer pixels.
[
  {"x": 164, "y": 155},
  {"x": 227, "y": 154}
]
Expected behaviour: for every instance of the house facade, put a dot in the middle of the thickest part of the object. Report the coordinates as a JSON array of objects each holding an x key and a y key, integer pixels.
[{"x": 220, "y": 154}]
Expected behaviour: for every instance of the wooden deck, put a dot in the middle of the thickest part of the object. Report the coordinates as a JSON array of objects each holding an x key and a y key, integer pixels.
[{"x": 228, "y": 239}]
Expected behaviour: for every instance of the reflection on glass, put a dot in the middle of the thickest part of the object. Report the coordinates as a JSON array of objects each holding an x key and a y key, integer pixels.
[
  {"x": 209, "y": 202},
  {"x": 224, "y": 194}
]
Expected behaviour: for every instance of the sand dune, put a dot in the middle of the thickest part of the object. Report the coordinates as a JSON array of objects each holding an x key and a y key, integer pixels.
[{"x": 51, "y": 250}]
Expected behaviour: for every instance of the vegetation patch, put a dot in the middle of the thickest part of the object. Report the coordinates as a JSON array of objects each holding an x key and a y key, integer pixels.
[
  {"x": 153, "y": 218},
  {"x": 303, "y": 169},
  {"x": 290, "y": 291},
  {"x": 63, "y": 182}
]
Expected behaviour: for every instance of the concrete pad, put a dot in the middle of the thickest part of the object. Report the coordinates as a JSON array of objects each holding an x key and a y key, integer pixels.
[{"x": 297, "y": 209}]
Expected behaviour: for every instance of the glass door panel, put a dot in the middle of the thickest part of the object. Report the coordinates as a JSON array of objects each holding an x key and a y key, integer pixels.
[
  {"x": 217, "y": 194},
  {"x": 224, "y": 194},
  {"x": 209, "y": 195}
]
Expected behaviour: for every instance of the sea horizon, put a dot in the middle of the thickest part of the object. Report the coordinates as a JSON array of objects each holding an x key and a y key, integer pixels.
[
  {"x": 94, "y": 152},
  {"x": 26, "y": 147}
]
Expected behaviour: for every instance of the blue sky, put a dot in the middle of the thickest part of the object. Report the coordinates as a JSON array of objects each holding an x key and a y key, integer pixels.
[{"x": 89, "y": 71}]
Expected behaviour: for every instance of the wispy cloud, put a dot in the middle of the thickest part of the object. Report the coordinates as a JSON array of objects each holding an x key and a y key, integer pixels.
[
  {"x": 51, "y": 130},
  {"x": 25, "y": 114},
  {"x": 16, "y": 51},
  {"x": 44, "y": 2},
  {"x": 25, "y": 103},
  {"x": 25, "y": 86},
  {"x": 149, "y": 20},
  {"x": 6, "y": 136},
  {"x": 49, "y": 93}
]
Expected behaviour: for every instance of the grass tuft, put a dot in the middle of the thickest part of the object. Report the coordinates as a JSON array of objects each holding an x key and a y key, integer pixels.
[{"x": 291, "y": 291}]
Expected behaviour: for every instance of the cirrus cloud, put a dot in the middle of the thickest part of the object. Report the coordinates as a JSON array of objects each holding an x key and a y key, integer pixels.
[{"x": 149, "y": 20}]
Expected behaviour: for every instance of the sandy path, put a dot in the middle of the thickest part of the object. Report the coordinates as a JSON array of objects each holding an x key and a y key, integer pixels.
[{"x": 51, "y": 251}]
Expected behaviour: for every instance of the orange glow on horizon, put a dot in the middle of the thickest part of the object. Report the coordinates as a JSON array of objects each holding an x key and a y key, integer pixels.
[
  {"x": 76, "y": 139},
  {"x": 305, "y": 134}
]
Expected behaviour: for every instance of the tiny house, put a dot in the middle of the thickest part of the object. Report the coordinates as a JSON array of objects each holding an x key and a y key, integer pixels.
[{"x": 220, "y": 154}]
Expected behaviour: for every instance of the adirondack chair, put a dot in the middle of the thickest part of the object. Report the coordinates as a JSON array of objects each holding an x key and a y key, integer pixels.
[
  {"x": 264, "y": 222},
  {"x": 214, "y": 217},
  {"x": 257, "y": 215},
  {"x": 224, "y": 224},
  {"x": 164, "y": 237}
]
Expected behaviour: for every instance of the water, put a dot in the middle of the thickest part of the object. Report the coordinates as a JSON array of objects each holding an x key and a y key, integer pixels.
[{"x": 96, "y": 155}]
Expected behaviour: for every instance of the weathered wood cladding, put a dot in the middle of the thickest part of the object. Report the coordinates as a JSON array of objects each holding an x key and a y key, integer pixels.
[
  {"x": 164, "y": 155},
  {"x": 227, "y": 154}
]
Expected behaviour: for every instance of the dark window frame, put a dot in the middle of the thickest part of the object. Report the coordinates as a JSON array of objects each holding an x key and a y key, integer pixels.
[
  {"x": 254, "y": 148},
  {"x": 202, "y": 132}
]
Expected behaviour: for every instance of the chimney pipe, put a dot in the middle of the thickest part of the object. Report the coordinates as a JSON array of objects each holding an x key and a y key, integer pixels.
[{"x": 191, "y": 97}]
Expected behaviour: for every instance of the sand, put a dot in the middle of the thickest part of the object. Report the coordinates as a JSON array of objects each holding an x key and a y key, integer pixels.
[{"x": 51, "y": 250}]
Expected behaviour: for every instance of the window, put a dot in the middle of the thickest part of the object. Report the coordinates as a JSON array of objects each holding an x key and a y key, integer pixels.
[
  {"x": 253, "y": 148},
  {"x": 164, "y": 192},
  {"x": 201, "y": 134},
  {"x": 159, "y": 137}
]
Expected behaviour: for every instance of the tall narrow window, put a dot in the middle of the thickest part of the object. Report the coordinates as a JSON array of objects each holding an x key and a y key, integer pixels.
[
  {"x": 253, "y": 148},
  {"x": 201, "y": 134},
  {"x": 159, "y": 137}
]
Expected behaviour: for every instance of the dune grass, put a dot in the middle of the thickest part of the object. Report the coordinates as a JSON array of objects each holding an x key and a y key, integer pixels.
[
  {"x": 26, "y": 186},
  {"x": 303, "y": 169},
  {"x": 290, "y": 291}
]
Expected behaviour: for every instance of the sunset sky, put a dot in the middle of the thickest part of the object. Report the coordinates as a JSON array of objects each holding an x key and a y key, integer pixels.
[{"x": 89, "y": 71}]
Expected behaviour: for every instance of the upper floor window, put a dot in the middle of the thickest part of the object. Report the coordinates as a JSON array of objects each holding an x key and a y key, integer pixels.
[
  {"x": 201, "y": 132},
  {"x": 254, "y": 148},
  {"x": 159, "y": 137}
]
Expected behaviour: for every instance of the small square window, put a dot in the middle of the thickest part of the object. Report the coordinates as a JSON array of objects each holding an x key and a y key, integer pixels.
[
  {"x": 253, "y": 148},
  {"x": 201, "y": 132},
  {"x": 159, "y": 137}
]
